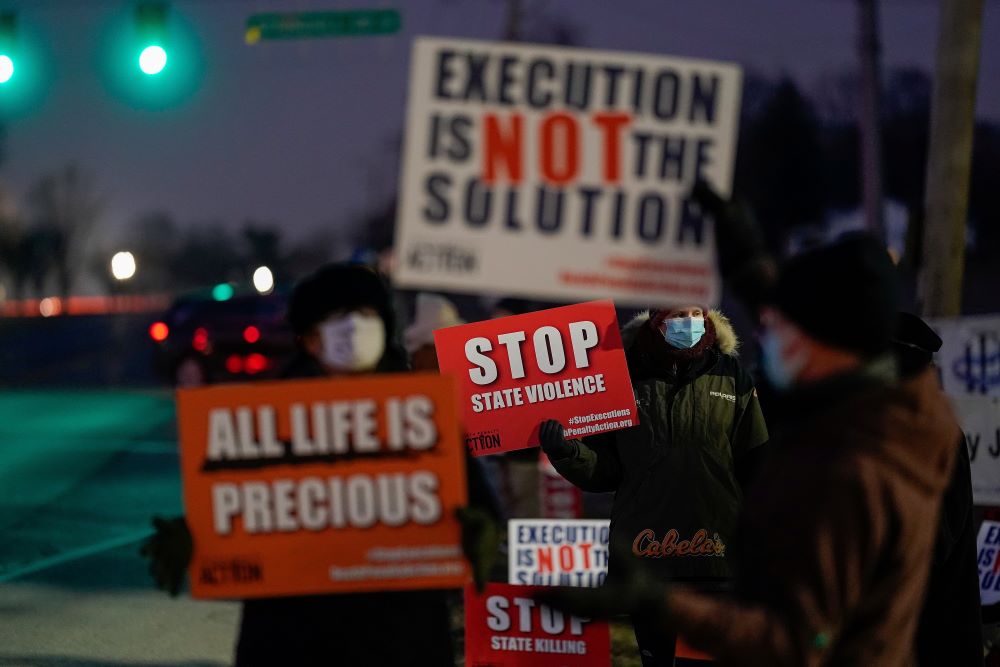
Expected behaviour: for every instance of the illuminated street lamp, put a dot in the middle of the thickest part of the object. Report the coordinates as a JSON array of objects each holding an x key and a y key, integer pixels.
[
  {"x": 263, "y": 280},
  {"x": 123, "y": 265}
]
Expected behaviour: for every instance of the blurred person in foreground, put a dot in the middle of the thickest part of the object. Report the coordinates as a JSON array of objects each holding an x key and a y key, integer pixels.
[
  {"x": 679, "y": 475},
  {"x": 343, "y": 320},
  {"x": 836, "y": 536},
  {"x": 950, "y": 630}
]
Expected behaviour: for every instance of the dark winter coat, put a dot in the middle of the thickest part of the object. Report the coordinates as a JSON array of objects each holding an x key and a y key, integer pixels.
[
  {"x": 837, "y": 532},
  {"x": 950, "y": 630},
  {"x": 676, "y": 475},
  {"x": 384, "y": 628}
]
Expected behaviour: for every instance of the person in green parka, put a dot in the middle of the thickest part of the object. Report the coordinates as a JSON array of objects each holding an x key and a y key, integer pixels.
[{"x": 679, "y": 476}]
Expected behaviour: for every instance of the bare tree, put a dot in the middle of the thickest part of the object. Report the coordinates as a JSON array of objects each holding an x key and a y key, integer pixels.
[
  {"x": 65, "y": 207},
  {"x": 949, "y": 160}
]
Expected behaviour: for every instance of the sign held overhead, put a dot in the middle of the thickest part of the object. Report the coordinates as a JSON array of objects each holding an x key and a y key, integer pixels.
[{"x": 562, "y": 173}]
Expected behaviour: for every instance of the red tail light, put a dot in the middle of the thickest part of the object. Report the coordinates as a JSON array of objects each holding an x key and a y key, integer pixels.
[
  {"x": 200, "y": 339},
  {"x": 251, "y": 334},
  {"x": 234, "y": 364},
  {"x": 256, "y": 363},
  {"x": 159, "y": 331}
]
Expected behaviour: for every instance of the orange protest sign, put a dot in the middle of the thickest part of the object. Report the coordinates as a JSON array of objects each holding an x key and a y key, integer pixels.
[{"x": 323, "y": 486}]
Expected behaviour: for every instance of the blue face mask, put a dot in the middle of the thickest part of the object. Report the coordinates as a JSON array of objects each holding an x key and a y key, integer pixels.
[
  {"x": 684, "y": 332},
  {"x": 780, "y": 373}
]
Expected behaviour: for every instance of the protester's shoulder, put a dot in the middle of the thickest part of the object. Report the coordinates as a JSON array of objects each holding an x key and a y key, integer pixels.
[
  {"x": 726, "y": 340},
  {"x": 727, "y": 345}
]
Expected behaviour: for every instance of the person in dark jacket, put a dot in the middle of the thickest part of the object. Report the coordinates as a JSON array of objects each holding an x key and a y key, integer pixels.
[
  {"x": 836, "y": 536},
  {"x": 344, "y": 323},
  {"x": 679, "y": 475},
  {"x": 950, "y": 630}
]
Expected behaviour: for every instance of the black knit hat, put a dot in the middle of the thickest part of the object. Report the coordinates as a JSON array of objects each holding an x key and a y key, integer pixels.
[
  {"x": 914, "y": 343},
  {"x": 342, "y": 286},
  {"x": 913, "y": 331},
  {"x": 845, "y": 294}
]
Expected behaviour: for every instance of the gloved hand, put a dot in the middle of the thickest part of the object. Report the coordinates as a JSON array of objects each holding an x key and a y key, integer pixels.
[
  {"x": 737, "y": 234},
  {"x": 169, "y": 552},
  {"x": 743, "y": 257},
  {"x": 480, "y": 542},
  {"x": 554, "y": 444},
  {"x": 633, "y": 593}
]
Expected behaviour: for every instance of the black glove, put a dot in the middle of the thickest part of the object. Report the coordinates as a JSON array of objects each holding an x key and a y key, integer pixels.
[
  {"x": 737, "y": 235},
  {"x": 480, "y": 542},
  {"x": 555, "y": 446},
  {"x": 743, "y": 257},
  {"x": 632, "y": 593},
  {"x": 169, "y": 553}
]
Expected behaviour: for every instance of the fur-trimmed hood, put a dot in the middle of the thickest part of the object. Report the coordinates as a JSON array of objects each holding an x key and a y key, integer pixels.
[{"x": 725, "y": 336}]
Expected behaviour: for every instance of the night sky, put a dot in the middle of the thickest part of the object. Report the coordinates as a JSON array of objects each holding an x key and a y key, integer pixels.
[{"x": 302, "y": 133}]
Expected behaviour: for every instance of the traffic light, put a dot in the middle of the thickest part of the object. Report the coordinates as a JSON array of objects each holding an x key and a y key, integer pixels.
[
  {"x": 151, "y": 27},
  {"x": 150, "y": 56},
  {"x": 8, "y": 46}
]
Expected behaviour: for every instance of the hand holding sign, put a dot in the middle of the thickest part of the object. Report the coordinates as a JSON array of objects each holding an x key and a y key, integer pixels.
[
  {"x": 550, "y": 436},
  {"x": 632, "y": 593},
  {"x": 169, "y": 552}
]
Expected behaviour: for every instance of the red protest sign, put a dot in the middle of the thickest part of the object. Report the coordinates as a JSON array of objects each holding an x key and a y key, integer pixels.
[
  {"x": 515, "y": 372},
  {"x": 505, "y": 627}
]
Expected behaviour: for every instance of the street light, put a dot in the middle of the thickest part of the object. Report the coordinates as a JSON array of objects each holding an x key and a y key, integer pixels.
[
  {"x": 123, "y": 265},
  {"x": 263, "y": 280}
]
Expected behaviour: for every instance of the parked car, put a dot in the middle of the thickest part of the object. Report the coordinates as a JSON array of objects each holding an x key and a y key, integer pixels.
[{"x": 200, "y": 340}]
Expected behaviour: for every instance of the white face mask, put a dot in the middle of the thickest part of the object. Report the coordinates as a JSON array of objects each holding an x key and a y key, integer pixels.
[{"x": 352, "y": 342}]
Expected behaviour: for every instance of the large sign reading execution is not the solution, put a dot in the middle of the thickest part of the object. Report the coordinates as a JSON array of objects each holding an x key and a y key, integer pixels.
[
  {"x": 323, "y": 486},
  {"x": 562, "y": 173}
]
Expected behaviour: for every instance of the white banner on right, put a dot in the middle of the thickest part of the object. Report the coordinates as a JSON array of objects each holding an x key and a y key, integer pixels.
[
  {"x": 970, "y": 354},
  {"x": 980, "y": 419}
]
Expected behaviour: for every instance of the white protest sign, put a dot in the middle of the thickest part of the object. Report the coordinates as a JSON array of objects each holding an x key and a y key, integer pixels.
[
  {"x": 558, "y": 552},
  {"x": 969, "y": 357},
  {"x": 988, "y": 548},
  {"x": 980, "y": 420},
  {"x": 562, "y": 173}
]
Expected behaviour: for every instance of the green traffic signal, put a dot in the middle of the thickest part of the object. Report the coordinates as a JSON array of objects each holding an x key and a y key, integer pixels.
[
  {"x": 223, "y": 292},
  {"x": 153, "y": 59},
  {"x": 8, "y": 45},
  {"x": 150, "y": 58},
  {"x": 6, "y": 68}
]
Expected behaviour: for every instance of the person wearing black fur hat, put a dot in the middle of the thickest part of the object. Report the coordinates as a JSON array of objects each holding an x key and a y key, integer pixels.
[
  {"x": 679, "y": 476},
  {"x": 344, "y": 325}
]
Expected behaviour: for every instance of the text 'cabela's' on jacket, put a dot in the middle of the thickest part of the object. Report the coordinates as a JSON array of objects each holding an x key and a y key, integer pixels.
[{"x": 678, "y": 474}]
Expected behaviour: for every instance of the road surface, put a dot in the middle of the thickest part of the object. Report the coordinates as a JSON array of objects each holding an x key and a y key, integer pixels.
[{"x": 81, "y": 473}]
